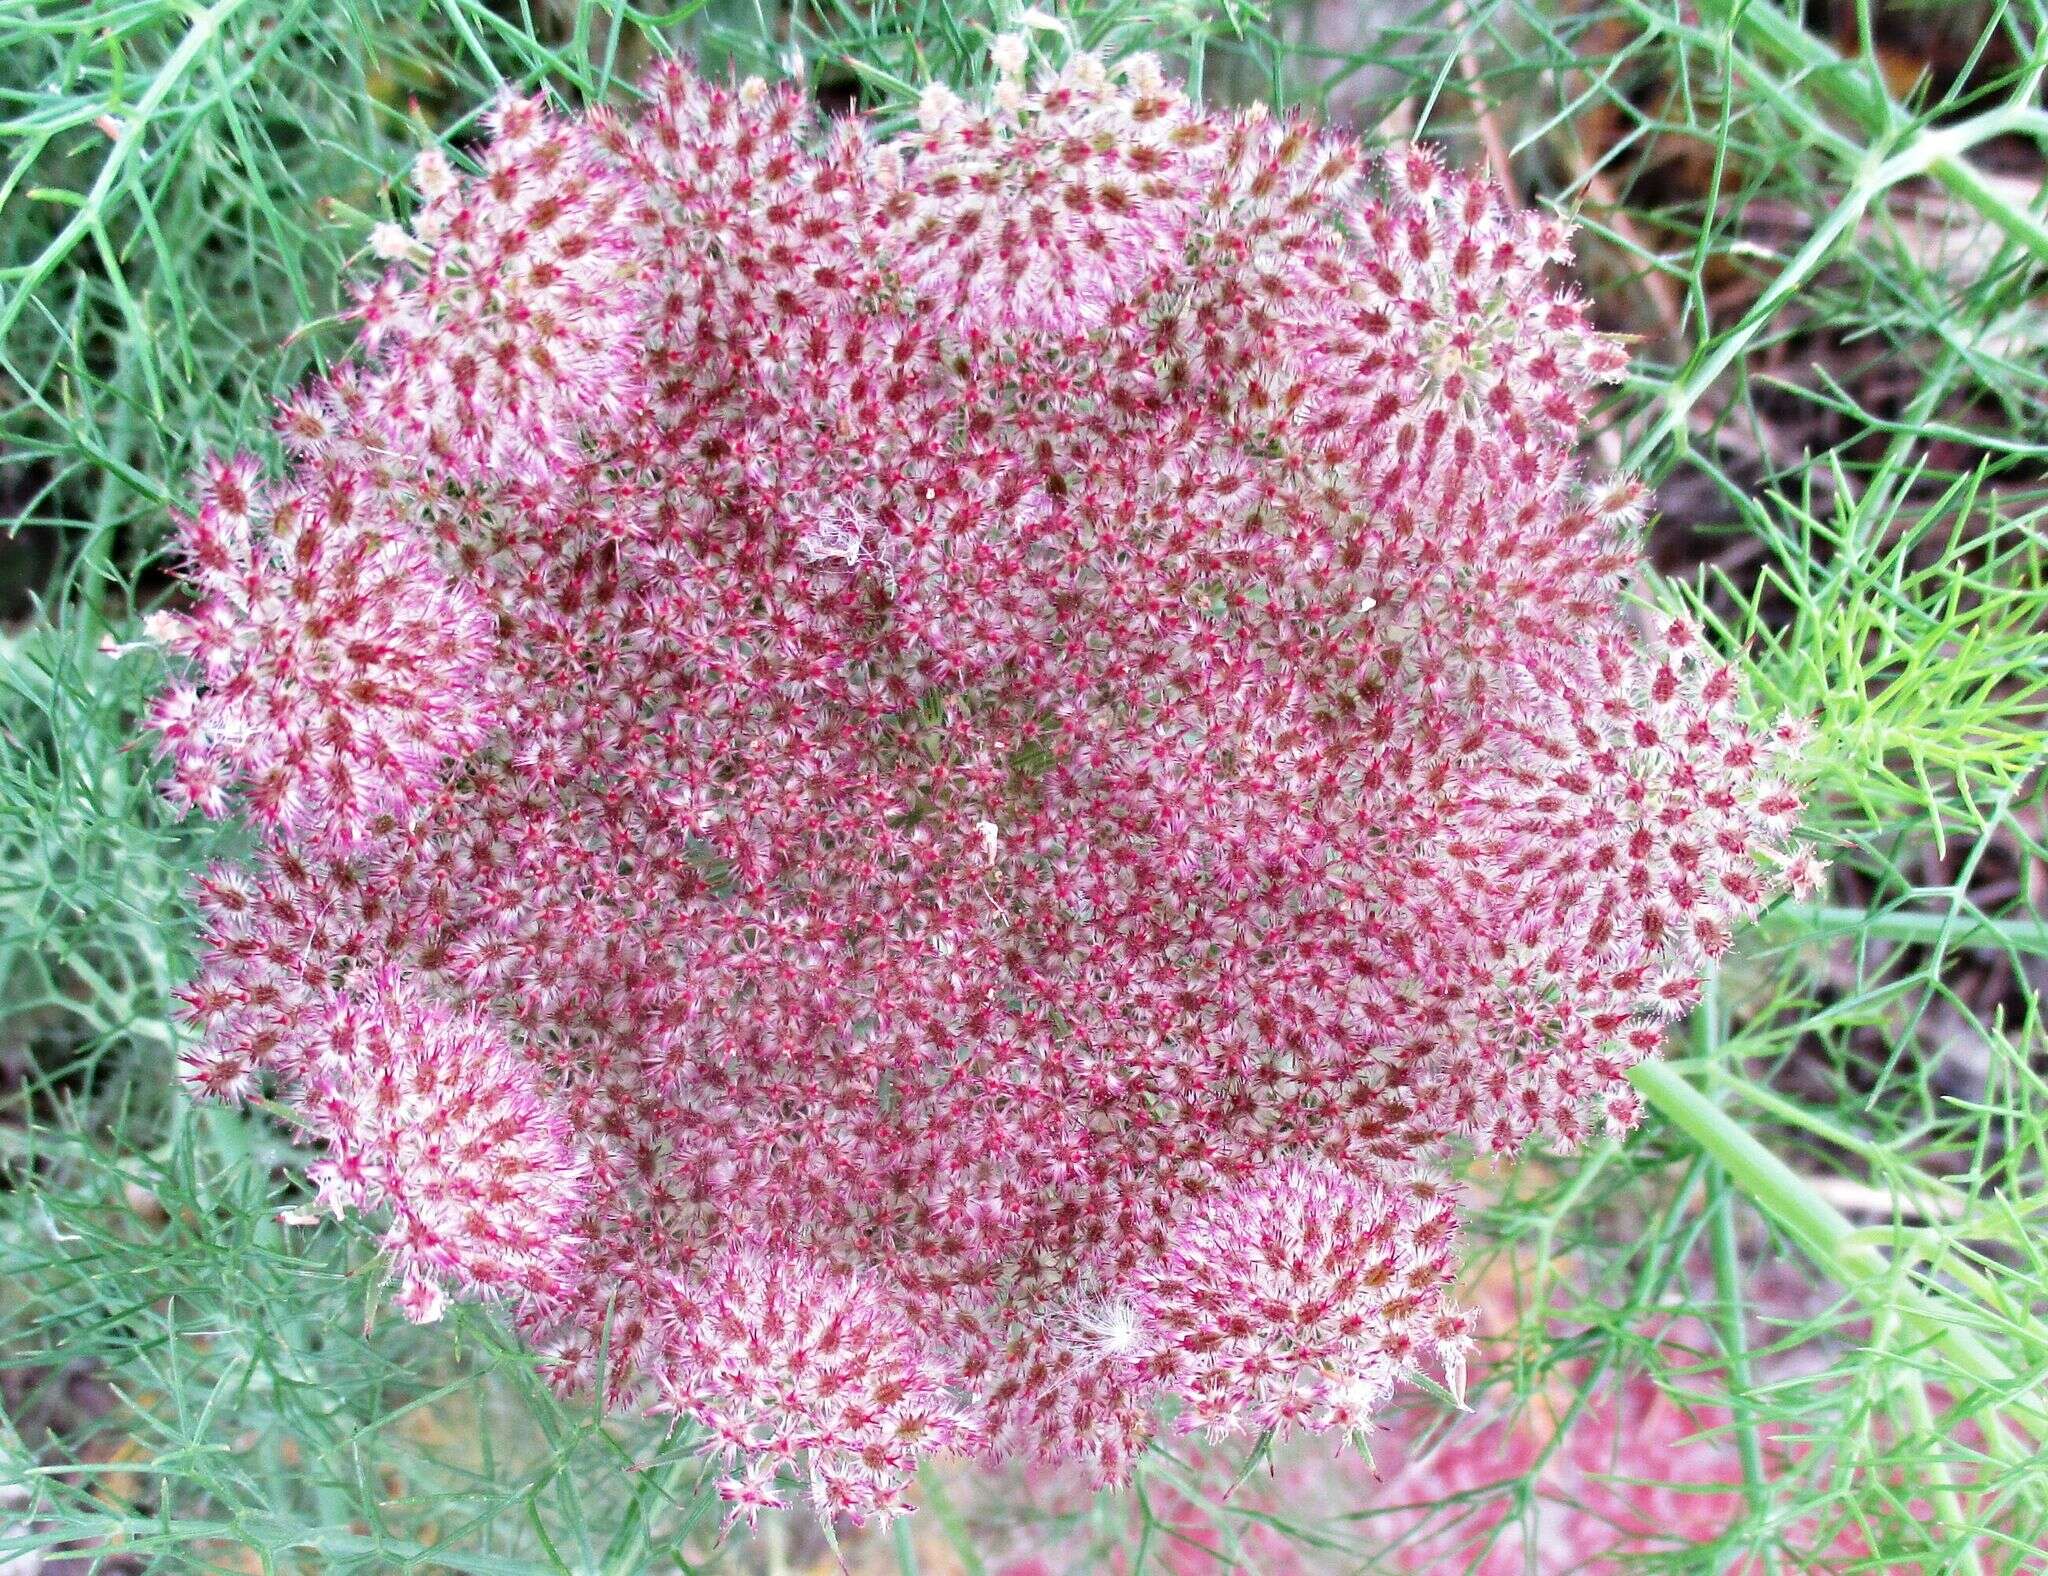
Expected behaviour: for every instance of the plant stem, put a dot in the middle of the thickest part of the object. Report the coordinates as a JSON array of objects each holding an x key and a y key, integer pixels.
[
  {"x": 1856, "y": 89},
  {"x": 1735, "y": 1342},
  {"x": 635, "y": 1537},
  {"x": 941, "y": 1506},
  {"x": 1709, "y": 1031},
  {"x": 905, "y": 1548},
  {"x": 1935, "y": 151},
  {"x": 91, "y": 210},
  {"x": 1955, "y": 929},
  {"x": 1832, "y": 1241}
]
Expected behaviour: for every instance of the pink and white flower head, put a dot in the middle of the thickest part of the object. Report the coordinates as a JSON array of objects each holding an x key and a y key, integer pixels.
[{"x": 905, "y": 786}]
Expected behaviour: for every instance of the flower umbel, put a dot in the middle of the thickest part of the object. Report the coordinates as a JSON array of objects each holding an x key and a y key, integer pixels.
[{"x": 905, "y": 785}]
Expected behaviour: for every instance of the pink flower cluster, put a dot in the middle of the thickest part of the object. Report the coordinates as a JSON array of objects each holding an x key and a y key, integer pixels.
[{"x": 905, "y": 785}]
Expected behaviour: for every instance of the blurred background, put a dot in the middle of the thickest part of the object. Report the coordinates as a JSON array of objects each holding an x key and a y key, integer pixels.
[{"x": 1823, "y": 230}]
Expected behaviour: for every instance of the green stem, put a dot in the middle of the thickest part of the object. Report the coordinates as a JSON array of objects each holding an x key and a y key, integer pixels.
[
  {"x": 1709, "y": 1033},
  {"x": 1935, "y": 151},
  {"x": 1833, "y": 78},
  {"x": 1856, "y": 89},
  {"x": 905, "y": 1547},
  {"x": 2024, "y": 933},
  {"x": 1687, "y": 391},
  {"x": 940, "y": 1504},
  {"x": 91, "y": 211},
  {"x": 1735, "y": 1341},
  {"x": 1832, "y": 1241},
  {"x": 1915, "y": 1187},
  {"x": 1912, "y": 1394},
  {"x": 1895, "y": 147},
  {"x": 1964, "y": 182},
  {"x": 634, "y": 1539}
]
